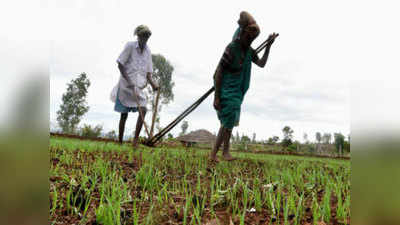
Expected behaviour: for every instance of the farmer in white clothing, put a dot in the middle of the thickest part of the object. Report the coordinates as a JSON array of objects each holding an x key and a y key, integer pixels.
[{"x": 136, "y": 66}]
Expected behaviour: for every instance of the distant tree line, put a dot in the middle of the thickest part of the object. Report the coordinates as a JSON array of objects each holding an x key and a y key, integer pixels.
[{"x": 287, "y": 143}]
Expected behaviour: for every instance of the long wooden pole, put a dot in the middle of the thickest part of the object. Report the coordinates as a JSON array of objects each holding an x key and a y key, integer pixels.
[
  {"x": 153, "y": 140},
  {"x": 154, "y": 114}
]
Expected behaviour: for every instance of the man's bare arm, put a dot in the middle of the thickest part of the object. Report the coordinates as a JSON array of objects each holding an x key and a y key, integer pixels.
[
  {"x": 217, "y": 82},
  {"x": 124, "y": 75},
  {"x": 152, "y": 83}
]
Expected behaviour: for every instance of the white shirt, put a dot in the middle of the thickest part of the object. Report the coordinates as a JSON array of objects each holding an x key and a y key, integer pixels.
[{"x": 136, "y": 65}]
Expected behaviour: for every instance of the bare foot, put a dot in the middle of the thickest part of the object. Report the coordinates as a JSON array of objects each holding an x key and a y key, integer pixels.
[
  {"x": 228, "y": 157},
  {"x": 213, "y": 158}
]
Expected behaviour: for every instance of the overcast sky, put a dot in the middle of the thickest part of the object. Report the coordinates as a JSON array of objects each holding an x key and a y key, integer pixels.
[{"x": 303, "y": 84}]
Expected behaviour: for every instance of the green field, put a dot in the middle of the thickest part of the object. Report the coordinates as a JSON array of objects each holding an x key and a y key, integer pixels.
[{"x": 105, "y": 183}]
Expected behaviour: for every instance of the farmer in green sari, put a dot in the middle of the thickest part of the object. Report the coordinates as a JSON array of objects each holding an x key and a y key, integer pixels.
[{"x": 232, "y": 79}]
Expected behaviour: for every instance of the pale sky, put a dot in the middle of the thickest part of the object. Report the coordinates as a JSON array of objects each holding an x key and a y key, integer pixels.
[{"x": 304, "y": 85}]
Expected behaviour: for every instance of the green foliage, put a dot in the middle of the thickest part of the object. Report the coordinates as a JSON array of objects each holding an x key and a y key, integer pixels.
[
  {"x": 111, "y": 135},
  {"x": 162, "y": 75},
  {"x": 245, "y": 139},
  {"x": 74, "y": 104},
  {"x": 346, "y": 146},
  {"x": 243, "y": 143},
  {"x": 286, "y": 142},
  {"x": 184, "y": 126},
  {"x": 326, "y": 138},
  {"x": 339, "y": 142},
  {"x": 318, "y": 137},
  {"x": 287, "y": 136},
  {"x": 242, "y": 146},
  {"x": 91, "y": 132},
  {"x": 305, "y": 136},
  {"x": 292, "y": 148},
  {"x": 164, "y": 184},
  {"x": 273, "y": 140},
  {"x": 310, "y": 148}
]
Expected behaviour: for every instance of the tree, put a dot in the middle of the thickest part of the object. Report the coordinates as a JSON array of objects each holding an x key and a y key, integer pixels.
[
  {"x": 329, "y": 137},
  {"x": 91, "y": 132},
  {"x": 254, "y": 138},
  {"x": 339, "y": 142},
  {"x": 326, "y": 138},
  {"x": 162, "y": 75},
  {"x": 272, "y": 140},
  {"x": 111, "y": 135},
  {"x": 237, "y": 137},
  {"x": 74, "y": 104},
  {"x": 318, "y": 137},
  {"x": 233, "y": 139},
  {"x": 305, "y": 136},
  {"x": 245, "y": 139},
  {"x": 287, "y": 136},
  {"x": 184, "y": 127},
  {"x": 170, "y": 136}
]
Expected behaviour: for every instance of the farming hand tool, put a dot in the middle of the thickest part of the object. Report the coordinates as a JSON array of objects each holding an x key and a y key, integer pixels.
[
  {"x": 154, "y": 139},
  {"x": 154, "y": 114}
]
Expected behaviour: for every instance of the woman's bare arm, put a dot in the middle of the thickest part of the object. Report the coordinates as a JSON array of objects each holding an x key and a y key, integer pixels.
[{"x": 261, "y": 62}]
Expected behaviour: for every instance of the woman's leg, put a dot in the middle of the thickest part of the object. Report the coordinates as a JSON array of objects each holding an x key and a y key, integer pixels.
[
  {"x": 218, "y": 142},
  {"x": 227, "y": 137},
  {"x": 122, "y": 122},
  {"x": 139, "y": 125}
]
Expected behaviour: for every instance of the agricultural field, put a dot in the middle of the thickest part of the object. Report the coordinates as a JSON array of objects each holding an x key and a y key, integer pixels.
[{"x": 94, "y": 182}]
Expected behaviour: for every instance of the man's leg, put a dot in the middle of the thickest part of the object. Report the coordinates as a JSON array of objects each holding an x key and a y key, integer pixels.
[
  {"x": 227, "y": 137},
  {"x": 122, "y": 122},
  {"x": 218, "y": 142},
  {"x": 139, "y": 125}
]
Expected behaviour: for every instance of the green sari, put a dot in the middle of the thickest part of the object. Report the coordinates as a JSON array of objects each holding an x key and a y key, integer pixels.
[{"x": 234, "y": 85}]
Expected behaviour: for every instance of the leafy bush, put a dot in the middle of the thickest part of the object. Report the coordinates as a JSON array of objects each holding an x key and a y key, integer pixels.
[
  {"x": 292, "y": 148},
  {"x": 111, "y": 135},
  {"x": 272, "y": 140},
  {"x": 339, "y": 142},
  {"x": 242, "y": 146},
  {"x": 310, "y": 148},
  {"x": 346, "y": 146},
  {"x": 91, "y": 132},
  {"x": 286, "y": 142}
]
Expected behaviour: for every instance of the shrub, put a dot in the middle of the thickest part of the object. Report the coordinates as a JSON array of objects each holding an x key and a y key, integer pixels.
[
  {"x": 292, "y": 148},
  {"x": 346, "y": 146},
  {"x": 91, "y": 132},
  {"x": 286, "y": 142},
  {"x": 242, "y": 146},
  {"x": 111, "y": 135},
  {"x": 310, "y": 148}
]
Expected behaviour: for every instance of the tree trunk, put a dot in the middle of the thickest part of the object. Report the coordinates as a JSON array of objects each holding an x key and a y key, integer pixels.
[{"x": 154, "y": 114}]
